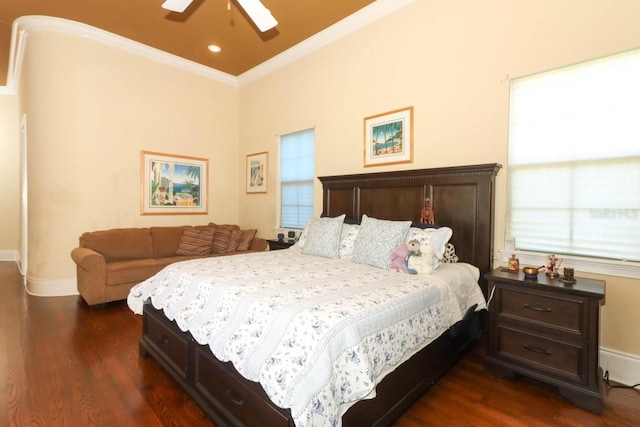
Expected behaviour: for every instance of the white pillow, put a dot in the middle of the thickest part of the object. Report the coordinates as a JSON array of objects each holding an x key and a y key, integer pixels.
[
  {"x": 348, "y": 237},
  {"x": 377, "y": 239},
  {"x": 437, "y": 238},
  {"x": 323, "y": 237},
  {"x": 302, "y": 238}
]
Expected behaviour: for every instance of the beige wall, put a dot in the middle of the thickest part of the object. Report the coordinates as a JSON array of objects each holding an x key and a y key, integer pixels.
[
  {"x": 9, "y": 177},
  {"x": 453, "y": 62},
  {"x": 91, "y": 110}
]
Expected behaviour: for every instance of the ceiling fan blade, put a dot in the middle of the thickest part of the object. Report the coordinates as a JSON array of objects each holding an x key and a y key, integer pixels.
[
  {"x": 176, "y": 5},
  {"x": 259, "y": 14}
]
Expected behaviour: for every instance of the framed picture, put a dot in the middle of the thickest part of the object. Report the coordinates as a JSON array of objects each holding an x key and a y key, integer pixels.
[
  {"x": 172, "y": 184},
  {"x": 257, "y": 172},
  {"x": 388, "y": 138}
]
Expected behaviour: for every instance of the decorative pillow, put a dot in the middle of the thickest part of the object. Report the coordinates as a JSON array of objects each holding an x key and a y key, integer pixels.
[
  {"x": 348, "y": 237},
  {"x": 245, "y": 239},
  {"x": 234, "y": 241},
  {"x": 195, "y": 242},
  {"x": 436, "y": 237},
  {"x": 302, "y": 238},
  {"x": 221, "y": 239},
  {"x": 377, "y": 239},
  {"x": 323, "y": 237},
  {"x": 450, "y": 255}
]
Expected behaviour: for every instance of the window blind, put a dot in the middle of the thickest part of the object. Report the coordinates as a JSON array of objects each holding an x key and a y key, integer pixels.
[
  {"x": 297, "y": 174},
  {"x": 574, "y": 159}
]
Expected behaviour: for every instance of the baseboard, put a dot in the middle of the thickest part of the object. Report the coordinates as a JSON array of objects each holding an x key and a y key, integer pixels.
[
  {"x": 9, "y": 256},
  {"x": 51, "y": 288},
  {"x": 623, "y": 368}
]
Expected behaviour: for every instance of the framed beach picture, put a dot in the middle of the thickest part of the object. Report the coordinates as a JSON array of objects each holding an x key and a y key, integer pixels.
[
  {"x": 388, "y": 138},
  {"x": 173, "y": 184},
  {"x": 257, "y": 172}
]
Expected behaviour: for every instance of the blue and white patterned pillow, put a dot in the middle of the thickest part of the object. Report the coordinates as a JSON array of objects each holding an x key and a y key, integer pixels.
[
  {"x": 348, "y": 237},
  {"x": 377, "y": 239},
  {"x": 323, "y": 237}
]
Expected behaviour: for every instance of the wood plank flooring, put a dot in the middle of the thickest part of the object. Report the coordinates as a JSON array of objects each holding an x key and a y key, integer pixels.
[{"x": 63, "y": 364}]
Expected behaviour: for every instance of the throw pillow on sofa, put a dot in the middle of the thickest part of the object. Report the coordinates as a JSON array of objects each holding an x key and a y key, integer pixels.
[
  {"x": 195, "y": 241},
  {"x": 246, "y": 239}
]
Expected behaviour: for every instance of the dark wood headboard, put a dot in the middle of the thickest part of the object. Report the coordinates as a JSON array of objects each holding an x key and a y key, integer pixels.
[{"x": 462, "y": 198}]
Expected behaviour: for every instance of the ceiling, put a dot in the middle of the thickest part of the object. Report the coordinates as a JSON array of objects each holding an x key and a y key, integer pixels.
[{"x": 187, "y": 34}]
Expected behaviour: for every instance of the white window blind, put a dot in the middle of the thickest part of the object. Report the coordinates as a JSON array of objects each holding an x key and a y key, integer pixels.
[
  {"x": 574, "y": 160},
  {"x": 297, "y": 174}
]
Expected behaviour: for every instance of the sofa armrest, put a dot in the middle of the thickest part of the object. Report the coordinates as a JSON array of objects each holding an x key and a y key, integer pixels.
[
  {"x": 91, "y": 274},
  {"x": 88, "y": 259},
  {"x": 258, "y": 244}
]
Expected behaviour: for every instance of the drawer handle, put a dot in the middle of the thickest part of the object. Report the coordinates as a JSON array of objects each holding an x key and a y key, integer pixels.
[
  {"x": 534, "y": 308},
  {"x": 163, "y": 339},
  {"x": 536, "y": 349},
  {"x": 233, "y": 397}
]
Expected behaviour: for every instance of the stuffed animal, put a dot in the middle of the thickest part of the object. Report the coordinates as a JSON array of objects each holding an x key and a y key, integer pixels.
[
  {"x": 398, "y": 258},
  {"x": 422, "y": 259}
]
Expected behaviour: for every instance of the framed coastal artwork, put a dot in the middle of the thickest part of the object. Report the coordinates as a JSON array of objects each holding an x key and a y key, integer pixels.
[
  {"x": 173, "y": 184},
  {"x": 257, "y": 172},
  {"x": 388, "y": 138}
]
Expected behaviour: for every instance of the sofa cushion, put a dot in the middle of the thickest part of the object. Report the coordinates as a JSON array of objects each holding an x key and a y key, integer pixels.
[
  {"x": 195, "y": 241},
  {"x": 221, "y": 239},
  {"x": 133, "y": 271},
  {"x": 165, "y": 240},
  {"x": 234, "y": 241},
  {"x": 119, "y": 243}
]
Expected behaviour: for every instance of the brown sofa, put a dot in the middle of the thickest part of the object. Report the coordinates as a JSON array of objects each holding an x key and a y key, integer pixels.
[{"x": 110, "y": 262}]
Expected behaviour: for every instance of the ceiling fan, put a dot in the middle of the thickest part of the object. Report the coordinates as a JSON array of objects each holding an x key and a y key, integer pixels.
[{"x": 259, "y": 14}]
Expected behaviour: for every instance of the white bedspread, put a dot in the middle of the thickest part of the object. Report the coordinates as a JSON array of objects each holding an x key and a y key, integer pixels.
[{"x": 317, "y": 333}]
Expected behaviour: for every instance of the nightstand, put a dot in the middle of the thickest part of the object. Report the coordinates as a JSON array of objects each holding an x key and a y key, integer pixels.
[
  {"x": 275, "y": 245},
  {"x": 547, "y": 330}
]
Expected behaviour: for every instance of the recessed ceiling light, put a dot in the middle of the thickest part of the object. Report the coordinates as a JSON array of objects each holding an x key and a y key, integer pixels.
[{"x": 214, "y": 48}]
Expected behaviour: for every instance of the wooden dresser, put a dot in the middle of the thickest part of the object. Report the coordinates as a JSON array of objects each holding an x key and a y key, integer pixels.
[{"x": 547, "y": 330}]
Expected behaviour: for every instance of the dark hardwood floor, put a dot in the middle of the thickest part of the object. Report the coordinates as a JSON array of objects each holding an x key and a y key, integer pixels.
[{"x": 63, "y": 364}]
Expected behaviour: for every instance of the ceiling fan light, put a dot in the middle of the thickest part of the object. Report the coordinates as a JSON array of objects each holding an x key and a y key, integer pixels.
[
  {"x": 259, "y": 14},
  {"x": 176, "y": 5}
]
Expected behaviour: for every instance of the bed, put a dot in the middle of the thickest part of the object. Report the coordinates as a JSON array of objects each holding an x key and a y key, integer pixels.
[{"x": 259, "y": 317}]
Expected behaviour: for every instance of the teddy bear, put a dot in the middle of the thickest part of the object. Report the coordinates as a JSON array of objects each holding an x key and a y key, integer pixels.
[
  {"x": 422, "y": 259},
  {"x": 398, "y": 258}
]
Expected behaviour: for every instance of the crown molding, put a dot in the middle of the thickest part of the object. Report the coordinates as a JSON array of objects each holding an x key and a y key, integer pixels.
[{"x": 26, "y": 25}]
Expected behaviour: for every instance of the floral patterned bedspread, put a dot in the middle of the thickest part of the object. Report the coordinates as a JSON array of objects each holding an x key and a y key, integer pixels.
[{"x": 317, "y": 333}]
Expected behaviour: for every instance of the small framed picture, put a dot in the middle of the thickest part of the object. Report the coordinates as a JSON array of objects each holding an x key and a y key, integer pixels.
[
  {"x": 388, "y": 138},
  {"x": 257, "y": 164}
]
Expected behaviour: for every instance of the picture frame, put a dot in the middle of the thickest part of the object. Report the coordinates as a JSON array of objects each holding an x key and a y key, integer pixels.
[
  {"x": 388, "y": 138},
  {"x": 173, "y": 184},
  {"x": 257, "y": 172}
]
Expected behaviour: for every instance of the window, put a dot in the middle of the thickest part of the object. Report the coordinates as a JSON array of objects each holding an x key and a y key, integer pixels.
[
  {"x": 297, "y": 174},
  {"x": 574, "y": 160}
]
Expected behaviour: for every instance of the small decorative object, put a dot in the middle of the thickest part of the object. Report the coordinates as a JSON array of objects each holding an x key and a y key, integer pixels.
[
  {"x": 388, "y": 138},
  {"x": 531, "y": 273},
  {"x": 399, "y": 258},
  {"x": 568, "y": 276},
  {"x": 553, "y": 265},
  {"x": 292, "y": 236},
  {"x": 172, "y": 184},
  {"x": 427, "y": 216},
  {"x": 514, "y": 263},
  {"x": 280, "y": 237},
  {"x": 257, "y": 172}
]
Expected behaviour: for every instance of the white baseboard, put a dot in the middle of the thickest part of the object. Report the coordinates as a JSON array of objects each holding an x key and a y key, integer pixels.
[
  {"x": 9, "y": 256},
  {"x": 623, "y": 368},
  {"x": 51, "y": 288}
]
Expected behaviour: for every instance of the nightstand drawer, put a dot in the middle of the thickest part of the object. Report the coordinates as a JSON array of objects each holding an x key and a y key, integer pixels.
[
  {"x": 563, "y": 312},
  {"x": 555, "y": 357}
]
